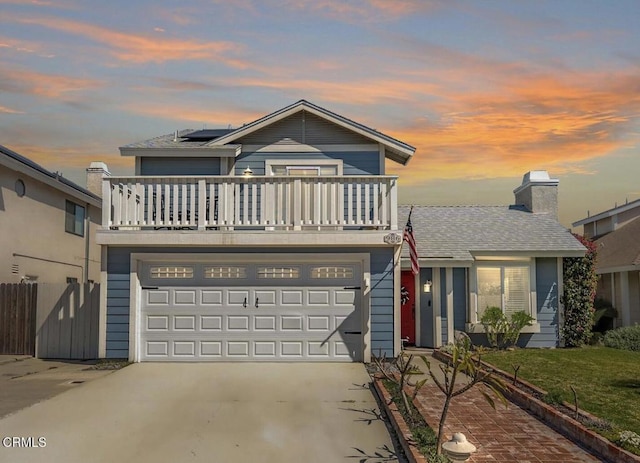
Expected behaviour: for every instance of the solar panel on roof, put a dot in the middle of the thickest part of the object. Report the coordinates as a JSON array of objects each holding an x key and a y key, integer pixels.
[{"x": 207, "y": 134}]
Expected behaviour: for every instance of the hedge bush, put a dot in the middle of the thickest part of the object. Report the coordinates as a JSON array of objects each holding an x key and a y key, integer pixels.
[
  {"x": 580, "y": 281},
  {"x": 625, "y": 338}
]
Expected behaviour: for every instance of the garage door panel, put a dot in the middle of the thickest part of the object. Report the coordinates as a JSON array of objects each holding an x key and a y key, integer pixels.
[
  {"x": 235, "y": 324},
  {"x": 344, "y": 297},
  {"x": 238, "y": 323},
  {"x": 238, "y": 348},
  {"x": 211, "y": 297},
  {"x": 184, "y": 322},
  {"x": 211, "y": 349},
  {"x": 184, "y": 348},
  {"x": 265, "y": 298},
  {"x": 292, "y": 348},
  {"x": 318, "y": 349},
  {"x": 292, "y": 297},
  {"x": 291, "y": 323},
  {"x": 182, "y": 297},
  {"x": 157, "y": 348},
  {"x": 158, "y": 322},
  {"x": 211, "y": 322},
  {"x": 319, "y": 323},
  {"x": 264, "y": 348},
  {"x": 237, "y": 297},
  {"x": 264, "y": 322},
  {"x": 157, "y": 296},
  {"x": 319, "y": 297}
]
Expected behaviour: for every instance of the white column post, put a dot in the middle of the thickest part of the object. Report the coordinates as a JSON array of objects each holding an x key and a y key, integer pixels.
[
  {"x": 450, "y": 314},
  {"x": 625, "y": 303},
  {"x": 202, "y": 204},
  {"x": 393, "y": 204},
  {"x": 106, "y": 203}
]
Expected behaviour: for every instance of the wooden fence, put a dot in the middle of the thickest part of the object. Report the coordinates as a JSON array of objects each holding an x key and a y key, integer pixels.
[
  {"x": 18, "y": 319},
  {"x": 67, "y": 320},
  {"x": 50, "y": 320}
]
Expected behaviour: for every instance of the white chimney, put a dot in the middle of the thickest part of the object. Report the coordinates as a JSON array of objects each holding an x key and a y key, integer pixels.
[
  {"x": 95, "y": 172},
  {"x": 538, "y": 192}
]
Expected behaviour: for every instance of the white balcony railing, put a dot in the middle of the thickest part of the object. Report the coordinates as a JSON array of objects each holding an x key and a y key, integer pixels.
[{"x": 255, "y": 202}]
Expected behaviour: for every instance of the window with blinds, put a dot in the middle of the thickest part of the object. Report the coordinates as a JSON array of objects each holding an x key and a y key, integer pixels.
[{"x": 507, "y": 287}]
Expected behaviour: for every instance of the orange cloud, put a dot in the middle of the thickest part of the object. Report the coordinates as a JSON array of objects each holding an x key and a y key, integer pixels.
[
  {"x": 194, "y": 117},
  {"x": 61, "y": 158},
  {"x": 138, "y": 48},
  {"x": 45, "y": 85},
  {"x": 535, "y": 123},
  {"x": 359, "y": 10},
  {"x": 5, "y": 110},
  {"x": 23, "y": 46}
]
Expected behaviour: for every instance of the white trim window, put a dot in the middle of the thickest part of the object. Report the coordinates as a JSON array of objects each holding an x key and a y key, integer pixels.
[
  {"x": 304, "y": 167},
  {"x": 508, "y": 286}
]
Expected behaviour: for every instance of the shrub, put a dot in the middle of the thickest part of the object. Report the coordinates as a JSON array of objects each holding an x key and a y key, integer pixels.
[
  {"x": 503, "y": 332},
  {"x": 580, "y": 280},
  {"x": 554, "y": 397},
  {"x": 604, "y": 315},
  {"x": 625, "y": 338}
]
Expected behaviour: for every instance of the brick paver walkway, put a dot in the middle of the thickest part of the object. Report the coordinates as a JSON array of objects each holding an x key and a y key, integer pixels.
[{"x": 503, "y": 435}]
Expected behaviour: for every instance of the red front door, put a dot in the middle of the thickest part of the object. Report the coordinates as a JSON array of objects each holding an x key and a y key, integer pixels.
[{"x": 408, "y": 307}]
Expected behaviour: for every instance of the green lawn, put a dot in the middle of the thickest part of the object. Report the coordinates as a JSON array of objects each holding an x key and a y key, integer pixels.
[{"x": 607, "y": 380}]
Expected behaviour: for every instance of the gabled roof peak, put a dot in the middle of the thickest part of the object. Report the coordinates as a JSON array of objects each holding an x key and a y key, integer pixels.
[{"x": 394, "y": 149}]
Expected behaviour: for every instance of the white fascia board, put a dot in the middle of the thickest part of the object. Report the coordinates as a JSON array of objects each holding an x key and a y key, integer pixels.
[
  {"x": 227, "y": 151},
  {"x": 502, "y": 255},
  {"x": 184, "y": 238},
  {"x": 623, "y": 268},
  {"x": 608, "y": 213},
  {"x": 52, "y": 182},
  {"x": 397, "y": 146},
  {"x": 431, "y": 263},
  {"x": 302, "y": 148}
]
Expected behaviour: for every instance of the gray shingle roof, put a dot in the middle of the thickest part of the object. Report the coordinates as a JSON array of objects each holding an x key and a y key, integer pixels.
[
  {"x": 53, "y": 175},
  {"x": 456, "y": 232},
  {"x": 169, "y": 141}
]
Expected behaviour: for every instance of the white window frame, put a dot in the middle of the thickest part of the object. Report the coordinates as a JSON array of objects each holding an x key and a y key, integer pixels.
[
  {"x": 304, "y": 163},
  {"x": 474, "y": 325}
]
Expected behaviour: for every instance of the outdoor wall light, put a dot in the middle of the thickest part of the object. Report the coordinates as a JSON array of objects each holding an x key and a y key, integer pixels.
[
  {"x": 427, "y": 286},
  {"x": 458, "y": 449},
  {"x": 248, "y": 171}
]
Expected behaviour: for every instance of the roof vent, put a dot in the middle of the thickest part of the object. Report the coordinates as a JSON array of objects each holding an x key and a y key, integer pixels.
[{"x": 175, "y": 137}]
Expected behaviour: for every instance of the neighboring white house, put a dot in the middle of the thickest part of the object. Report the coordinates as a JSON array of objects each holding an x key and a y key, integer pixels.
[
  {"x": 616, "y": 232},
  {"x": 47, "y": 225},
  {"x": 276, "y": 241}
]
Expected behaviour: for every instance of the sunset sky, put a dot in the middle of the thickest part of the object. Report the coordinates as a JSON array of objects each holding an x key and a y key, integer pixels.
[{"x": 485, "y": 90}]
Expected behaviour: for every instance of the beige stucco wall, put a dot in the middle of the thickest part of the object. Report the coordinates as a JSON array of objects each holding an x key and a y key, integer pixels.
[
  {"x": 34, "y": 225},
  {"x": 634, "y": 297}
]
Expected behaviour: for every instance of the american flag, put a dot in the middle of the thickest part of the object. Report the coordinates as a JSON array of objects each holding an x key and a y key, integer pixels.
[{"x": 411, "y": 240}]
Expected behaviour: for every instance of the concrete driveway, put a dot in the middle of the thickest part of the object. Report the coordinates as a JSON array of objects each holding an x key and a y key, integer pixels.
[{"x": 206, "y": 413}]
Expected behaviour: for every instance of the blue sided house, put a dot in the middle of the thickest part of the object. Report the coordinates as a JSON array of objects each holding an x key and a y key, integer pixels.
[
  {"x": 474, "y": 257},
  {"x": 281, "y": 240},
  {"x": 275, "y": 241}
]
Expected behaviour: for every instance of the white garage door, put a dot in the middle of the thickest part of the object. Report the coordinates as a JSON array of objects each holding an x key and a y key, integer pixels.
[{"x": 262, "y": 313}]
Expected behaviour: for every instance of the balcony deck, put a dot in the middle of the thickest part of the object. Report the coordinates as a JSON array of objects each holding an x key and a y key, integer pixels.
[{"x": 251, "y": 203}]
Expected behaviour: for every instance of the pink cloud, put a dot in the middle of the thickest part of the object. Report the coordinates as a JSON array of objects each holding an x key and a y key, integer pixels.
[{"x": 139, "y": 48}]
